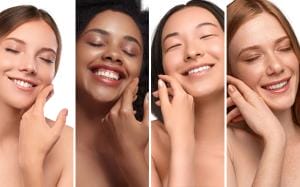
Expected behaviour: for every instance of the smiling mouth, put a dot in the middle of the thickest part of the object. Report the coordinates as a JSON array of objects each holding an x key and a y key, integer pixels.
[
  {"x": 198, "y": 70},
  {"x": 107, "y": 74},
  {"x": 22, "y": 83},
  {"x": 278, "y": 86}
]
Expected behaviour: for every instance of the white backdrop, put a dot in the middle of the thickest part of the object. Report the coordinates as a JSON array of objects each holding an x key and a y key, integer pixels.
[{"x": 63, "y": 13}]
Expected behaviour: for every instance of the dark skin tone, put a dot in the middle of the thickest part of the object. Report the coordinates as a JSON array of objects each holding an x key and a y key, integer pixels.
[{"x": 111, "y": 143}]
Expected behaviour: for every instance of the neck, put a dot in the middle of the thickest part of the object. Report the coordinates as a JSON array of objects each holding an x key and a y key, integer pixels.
[
  {"x": 209, "y": 119},
  {"x": 286, "y": 120},
  {"x": 88, "y": 121},
  {"x": 10, "y": 122}
]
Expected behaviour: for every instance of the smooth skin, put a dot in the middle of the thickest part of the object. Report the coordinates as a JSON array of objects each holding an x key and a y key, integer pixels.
[
  {"x": 34, "y": 151},
  {"x": 111, "y": 143},
  {"x": 188, "y": 149},
  {"x": 263, "y": 143}
]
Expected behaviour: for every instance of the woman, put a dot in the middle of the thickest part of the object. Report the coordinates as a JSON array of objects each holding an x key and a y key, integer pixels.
[
  {"x": 188, "y": 65},
  {"x": 111, "y": 51},
  {"x": 263, "y": 133},
  {"x": 35, "y": 151}
]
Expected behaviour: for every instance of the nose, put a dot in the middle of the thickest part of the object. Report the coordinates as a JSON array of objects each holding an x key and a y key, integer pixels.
[
  {"x": 192, "y": 52},
  {"x": 28, "y": 65},
  {"x": 274, "y": 65},
  {"x": 112, "y": 54}
]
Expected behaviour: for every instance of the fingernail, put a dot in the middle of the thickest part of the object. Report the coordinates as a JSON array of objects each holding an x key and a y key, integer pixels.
[
  {"x": 231, "y": 88},
  {"x": 161, "y": 83}
]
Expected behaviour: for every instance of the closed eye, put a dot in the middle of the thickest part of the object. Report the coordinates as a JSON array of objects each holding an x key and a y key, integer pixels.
[
  {"x": 47, "y": 60},
  {"x": 95, "y": 44},
  {"x": 252, "y": 59},
  {"x": 173, "y": 46},
  {"x": 12, "y": 50},
  {"x": 207, "y": 36},
  {"x": 129, "y": 53}
]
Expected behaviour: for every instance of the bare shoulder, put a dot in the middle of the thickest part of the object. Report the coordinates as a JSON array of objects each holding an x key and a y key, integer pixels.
[{"x": 63, "y": 148}]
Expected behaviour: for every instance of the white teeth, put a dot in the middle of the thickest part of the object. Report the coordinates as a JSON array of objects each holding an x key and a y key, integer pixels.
[
  {"x": 107, "y": 74},
  {"x": 200, "y": 69},
  {"x": 277, "y": 86},
  {"x": 23, "y": 83}
]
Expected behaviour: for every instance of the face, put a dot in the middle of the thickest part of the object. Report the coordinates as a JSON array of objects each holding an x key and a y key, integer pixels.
[
  {"x": 193, "y": 51},
  {"x": 109, "y": 55},
  {"x": 27, "y": 63},
  {"x": 265, "y": 61}
]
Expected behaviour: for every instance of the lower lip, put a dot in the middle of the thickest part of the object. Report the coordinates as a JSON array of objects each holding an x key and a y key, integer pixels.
[
  {"x": 281, "y": 90},
  {"x": 106, "y": 81}
]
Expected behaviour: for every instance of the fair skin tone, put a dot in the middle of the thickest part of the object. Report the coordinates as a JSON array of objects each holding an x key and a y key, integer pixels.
[
  {"x": 266, "y": 72},
  {"x": 188, "y": 148},
  {"x": 111, "y": 143},
  {"x": 35, "y": 151}
]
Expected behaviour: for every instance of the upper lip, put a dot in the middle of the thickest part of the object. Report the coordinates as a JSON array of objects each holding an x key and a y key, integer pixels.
[
  {"x": 30, "y": 81},
  {"x": 117, "y": 69},
  {"x": 276, "y": 82},
  {"x": 189, "y": 68}
]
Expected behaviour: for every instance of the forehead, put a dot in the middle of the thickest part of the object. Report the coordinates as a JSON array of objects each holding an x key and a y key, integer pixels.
[
  {"x": 188, "y": 18},
  {"x": 262, "y": 29},
  {"x": 36, "y": 32},
  {"x": 116, "y": 23}
]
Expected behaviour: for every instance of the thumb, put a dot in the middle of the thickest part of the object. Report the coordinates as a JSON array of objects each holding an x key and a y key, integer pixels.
[
  {"x": 146, "y": 109},
  {"x": 60, "y": 122}
]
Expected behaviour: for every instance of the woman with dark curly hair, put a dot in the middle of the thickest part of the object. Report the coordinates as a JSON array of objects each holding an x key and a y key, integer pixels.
[{"x": 112, "y": 39}]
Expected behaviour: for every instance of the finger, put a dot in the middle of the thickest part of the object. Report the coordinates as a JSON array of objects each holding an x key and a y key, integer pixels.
[
  {"x": 157, "y": 103},
  {"x": 42, "y": 99},
  {"x": 237, "y": 98},
  {"x": 170, "y": 92},
  {"x": 146, "y": 110},
  {"x": 175, "y": 85},
  {"x": 238, "y": 119},
  {"x": 163, "y": 94},
  {"x": 128, "y": 96},
  {"x": 250, "y": 95},
  {"x": 233, "y": 114},
  {"x": 60, "y": 122},
  {"x": 229, "y": 102}
]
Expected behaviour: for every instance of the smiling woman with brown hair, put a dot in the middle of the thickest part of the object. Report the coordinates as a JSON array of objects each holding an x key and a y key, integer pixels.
[
  {"x": 34, "y": 151},
  {"x": 263, "y": 126}
]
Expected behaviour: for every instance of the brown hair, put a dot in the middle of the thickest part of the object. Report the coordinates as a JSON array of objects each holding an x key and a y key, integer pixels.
[
  {"x": 241, "y": 11},
  {"x": 13, "y": 17}
]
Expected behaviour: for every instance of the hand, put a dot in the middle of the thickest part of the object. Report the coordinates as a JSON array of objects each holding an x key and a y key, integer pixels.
[
  {"x": 37, "y": 136},
  {"x": 120, "y": 125},
  {"x": 177, "y": 108},
  {"x": 253, "y": 109}
]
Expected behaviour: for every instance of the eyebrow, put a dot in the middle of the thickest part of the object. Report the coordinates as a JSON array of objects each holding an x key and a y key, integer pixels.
[
  {"x": 104, "y": 32},
  {"x": 198, "y": 26},
  {"x": 254, "y": 47}
]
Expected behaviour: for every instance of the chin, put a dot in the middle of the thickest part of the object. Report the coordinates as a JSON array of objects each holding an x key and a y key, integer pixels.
[{"x": 205, "y": 91}]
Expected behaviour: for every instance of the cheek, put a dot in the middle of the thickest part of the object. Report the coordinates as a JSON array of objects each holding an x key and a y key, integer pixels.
[
  {"x": 216, "y": 49},
  {"x": 250, "y": 75},
  {"x": 84, "y": 54},
  {"x": 171, "y": 61}
]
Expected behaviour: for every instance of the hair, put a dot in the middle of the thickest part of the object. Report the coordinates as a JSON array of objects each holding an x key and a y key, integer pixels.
[
  {"x": 241, "y": 11},
  {"x": 156, "y": 48},
  {"x": 14, "y": 17},
  {"x": 87, "y": 10}
]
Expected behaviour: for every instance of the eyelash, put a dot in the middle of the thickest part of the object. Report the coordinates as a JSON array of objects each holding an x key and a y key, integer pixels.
[
  {"x": 47, "y": 60},
  {"x": 173, "y": 46},
  {"x": 252, "y": 59},
  {"x": 284, "y": 49},
  {"x": 12, "y": 50},
  {"x": 95, "y": 44},
  {"x": 207, "y": 36},
  {"x": 129, "y": 54}
]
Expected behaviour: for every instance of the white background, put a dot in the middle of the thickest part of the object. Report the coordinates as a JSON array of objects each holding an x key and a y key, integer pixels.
[{"x": 64, "y": 82}]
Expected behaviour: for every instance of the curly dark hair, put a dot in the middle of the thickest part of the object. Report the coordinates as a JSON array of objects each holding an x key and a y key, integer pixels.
[{"x": 86, "y": 10}]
